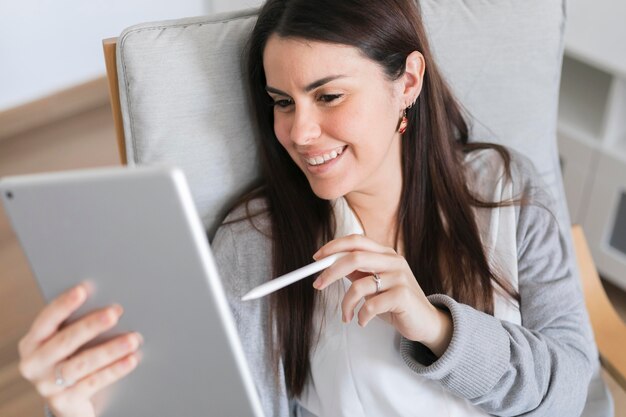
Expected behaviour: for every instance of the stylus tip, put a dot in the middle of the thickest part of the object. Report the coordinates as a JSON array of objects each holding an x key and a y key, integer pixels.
[{"x": 249, "y": 296}]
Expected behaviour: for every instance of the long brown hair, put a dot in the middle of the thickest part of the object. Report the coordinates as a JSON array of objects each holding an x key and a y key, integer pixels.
[{"x": 440, "y": 234}]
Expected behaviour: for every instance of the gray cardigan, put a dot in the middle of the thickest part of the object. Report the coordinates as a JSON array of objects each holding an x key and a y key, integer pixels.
[{"x": 541, "y": 368}]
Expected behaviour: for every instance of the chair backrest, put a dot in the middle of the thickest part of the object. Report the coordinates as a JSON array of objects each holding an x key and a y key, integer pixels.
[{"x": 183, "y": 99}]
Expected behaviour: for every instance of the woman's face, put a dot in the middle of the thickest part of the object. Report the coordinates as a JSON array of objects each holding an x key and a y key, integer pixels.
[{"x": 336, "y": 113}]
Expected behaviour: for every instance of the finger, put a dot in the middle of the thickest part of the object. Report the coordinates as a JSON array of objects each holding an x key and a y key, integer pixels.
[
  {"x": 353, "y": 276},
  {"x": 359, "y": 290},
  {"x": 105, "y": 377},
  {"x": 51, "y": 317},
  {"x": 91, "y": 360},
  {"x": 385, "y": 302},
  {"x": 95, "y": 382},
  {"x": 358, "y": 261},
  {"x": 68, "y": 340},
  {"x": 351, "y": 243}
]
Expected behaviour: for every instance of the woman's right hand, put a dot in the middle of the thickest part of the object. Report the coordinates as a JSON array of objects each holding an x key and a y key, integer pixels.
[{"x": 64, "y": 375}]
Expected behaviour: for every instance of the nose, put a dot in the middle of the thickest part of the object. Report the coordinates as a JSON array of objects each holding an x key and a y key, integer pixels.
[{"x": 305, "y": 126}]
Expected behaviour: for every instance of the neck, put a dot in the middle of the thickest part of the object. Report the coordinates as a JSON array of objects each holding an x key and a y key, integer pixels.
[
  {"x": 376, "y": 205},
  {"x": 375, "y": 212}
]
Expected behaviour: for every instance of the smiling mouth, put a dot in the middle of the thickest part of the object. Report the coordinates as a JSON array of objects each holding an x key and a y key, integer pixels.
[{"x": 323, "y": 159}]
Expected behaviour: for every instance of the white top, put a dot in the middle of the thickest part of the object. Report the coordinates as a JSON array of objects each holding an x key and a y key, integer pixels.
[{"x": 360, "y": 372}]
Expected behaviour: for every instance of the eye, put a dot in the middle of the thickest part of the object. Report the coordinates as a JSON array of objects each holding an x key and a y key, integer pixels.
[
  {"x": 329, "y": 98},
  {"x": 283, "y": 103}
]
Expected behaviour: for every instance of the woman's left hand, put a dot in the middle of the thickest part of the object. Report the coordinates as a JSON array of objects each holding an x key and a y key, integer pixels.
[{"x": 400, "y": 301}]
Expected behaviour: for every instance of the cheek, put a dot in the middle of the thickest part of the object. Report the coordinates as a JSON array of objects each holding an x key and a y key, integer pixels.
[{"x": 346, "y": 123}]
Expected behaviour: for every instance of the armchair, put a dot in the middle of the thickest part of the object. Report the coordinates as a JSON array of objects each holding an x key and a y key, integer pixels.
[{"x": 180, "y": 100}]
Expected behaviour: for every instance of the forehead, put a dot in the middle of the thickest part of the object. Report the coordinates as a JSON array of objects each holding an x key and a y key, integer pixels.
[{"x": 301, "y": 61}]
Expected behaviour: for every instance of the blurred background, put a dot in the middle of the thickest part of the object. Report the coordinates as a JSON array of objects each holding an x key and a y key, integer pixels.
[{"x": 55, "y": 115}]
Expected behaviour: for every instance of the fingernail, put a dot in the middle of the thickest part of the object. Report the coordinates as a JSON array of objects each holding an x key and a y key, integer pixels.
[
  {"x": 316, "y": 284},
  {"x": 78, "y": 294},
  {"x": 106, "y": 317},
  {"x": 118, "y": 310},
  {"x": 140, "y": 338},
  {"x": 316, "y": 255}
]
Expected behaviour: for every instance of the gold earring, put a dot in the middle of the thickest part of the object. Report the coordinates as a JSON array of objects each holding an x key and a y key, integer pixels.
[{"x": 404, "y": 122}]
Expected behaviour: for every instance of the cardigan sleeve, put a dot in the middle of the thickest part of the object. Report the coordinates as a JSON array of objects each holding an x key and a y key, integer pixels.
[
  {"x": 242, "y": 254},
  {"x": 539, "y": 368}
]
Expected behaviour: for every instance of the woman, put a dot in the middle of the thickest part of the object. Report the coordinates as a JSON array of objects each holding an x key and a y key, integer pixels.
[{"x": 455, "y": 299}]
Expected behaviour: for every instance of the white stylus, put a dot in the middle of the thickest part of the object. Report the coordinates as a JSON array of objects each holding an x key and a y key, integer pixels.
[{"x": 294, "y": 276}]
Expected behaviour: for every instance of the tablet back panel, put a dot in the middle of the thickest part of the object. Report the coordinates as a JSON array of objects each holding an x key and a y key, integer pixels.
[{"x": 135, "y": 236}]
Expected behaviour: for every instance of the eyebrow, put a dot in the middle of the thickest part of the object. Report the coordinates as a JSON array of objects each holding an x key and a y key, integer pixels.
[{"x": 308, "y": 88}]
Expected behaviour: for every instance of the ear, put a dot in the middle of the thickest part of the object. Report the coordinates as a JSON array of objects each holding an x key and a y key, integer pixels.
[{"x": 413, "y": 78}]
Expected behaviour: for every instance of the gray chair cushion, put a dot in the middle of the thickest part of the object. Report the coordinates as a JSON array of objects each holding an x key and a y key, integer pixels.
[
  {"x": 504, "y": 62},
  {"x": 183, "y": 99},
  {"x": 183, "y": 103}
]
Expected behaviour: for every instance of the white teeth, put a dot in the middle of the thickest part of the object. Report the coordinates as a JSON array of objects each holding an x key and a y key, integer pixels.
[{"x": 318, "y": 160}]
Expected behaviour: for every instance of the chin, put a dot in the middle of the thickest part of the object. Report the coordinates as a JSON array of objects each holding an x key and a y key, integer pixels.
[{"x": 327, "y": 192}]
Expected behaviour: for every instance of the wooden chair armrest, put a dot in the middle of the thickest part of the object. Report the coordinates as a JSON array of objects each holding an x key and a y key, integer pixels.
[
  {"x": 608, "y": 327},
  {"x": 110, "y": 49}
]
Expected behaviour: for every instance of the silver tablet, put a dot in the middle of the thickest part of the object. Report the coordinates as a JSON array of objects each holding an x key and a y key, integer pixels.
[{"x": 135, "y": 236}]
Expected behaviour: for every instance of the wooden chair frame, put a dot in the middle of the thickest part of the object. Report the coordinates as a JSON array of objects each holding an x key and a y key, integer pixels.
[
  {"x": 609, "y": 329},
  {"x": 110, "y": 58}
]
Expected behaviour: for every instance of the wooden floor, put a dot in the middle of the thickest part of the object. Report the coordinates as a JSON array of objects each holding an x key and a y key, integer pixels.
[{"x": 86, "y": 140}]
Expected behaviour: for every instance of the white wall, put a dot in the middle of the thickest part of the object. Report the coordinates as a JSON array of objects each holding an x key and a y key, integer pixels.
[
  {"x": 596, "y": 31},
  {"x": 48, "y": 45},
  {"x": 219, "y": 6}
]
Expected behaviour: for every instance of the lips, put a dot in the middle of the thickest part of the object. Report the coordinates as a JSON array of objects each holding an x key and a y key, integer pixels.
[
  {"x": 329, "y": 166},
  {"x": 325, "y": 157}
]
